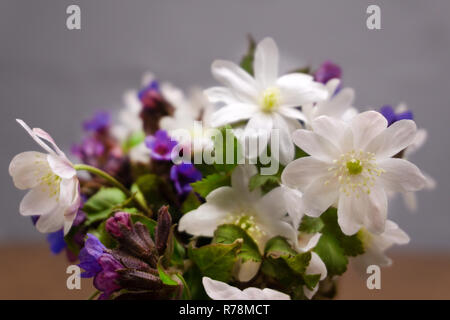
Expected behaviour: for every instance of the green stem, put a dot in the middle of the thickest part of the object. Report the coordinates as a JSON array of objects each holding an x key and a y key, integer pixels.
[
  {"x": 94, "y": 295},
  {"x": 114, "y": 182}
]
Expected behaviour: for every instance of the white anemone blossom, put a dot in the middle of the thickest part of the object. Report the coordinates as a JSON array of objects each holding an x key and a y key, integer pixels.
[
  {"x": 266, "y": 100},
  {"x": 191, "y": 120},
  {"x": 218, "y": 290},
  {"x": 260, "y": 216},
  {"x": 375, "y": 246},
  {"x": 54, "y": 194},
  {"x": 302, "y": 241},
  {"x": 339, "y": 104},
  {"x": 351, "y": 167}
]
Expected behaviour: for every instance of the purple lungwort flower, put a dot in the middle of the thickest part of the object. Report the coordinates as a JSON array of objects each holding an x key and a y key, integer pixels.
[
  {"x": 112, "y": 224},
  {"x": 391, "y": 116},
  {"x": 56, "y": 241},
  {"x": 150, "y": 95},
  {"x": 161, "y": 145},
  {"x": 90, "y": 148},
  {"x": 183, "y": 175},
  {"x": 99, "y": 264},
  {"x": 98, "y": 122},
  {"x": 327, "y": 71}
]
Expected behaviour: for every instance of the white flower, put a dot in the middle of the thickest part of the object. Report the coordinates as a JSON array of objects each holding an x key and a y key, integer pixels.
[
  {"x": 351, "y": 166},
  {"x": 130, "y": 124},
  {"x": 218, "y": 290},
  {"x": 303, "y": 242},
  {"x": 265, "y": 100},
  {"x": 54, "y": 194},
  {"x": 192, "y": 115},
  {"x": 338, "y": 105},
  {"x": 375, "y": 246},
  {"x": 260, "y": 216}
]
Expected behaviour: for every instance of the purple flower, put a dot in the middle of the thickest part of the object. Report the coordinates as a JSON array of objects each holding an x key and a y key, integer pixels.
[
  {"x": 98, "y": 122},
  {"x": 327, "y": 71},
  {"x": 90, "y": 148},
  {"x": 161, "y": 145},
  {"x": 183, "y": 175},
  {"x": 112, "y": 224},
  {"x": 106, "y": 279},
  {"x": 56, "y": 241},
  {"x": 391, "y": 116},
  {"x": 89, "y": 256},
  {"x": 150, "y": 95}
]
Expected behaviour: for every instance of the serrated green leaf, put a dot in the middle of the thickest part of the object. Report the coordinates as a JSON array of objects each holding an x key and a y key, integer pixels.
[
  {"x": 100, "y": 205},
  {"x": 229, "y": 233},
  {"x": 206, "y": 185},
  {"x": 311, "y": 225},
  {"x": 278, "y": 246},
  {"x": 216, "y": 260},
  {"x": 332, "y": 254}
]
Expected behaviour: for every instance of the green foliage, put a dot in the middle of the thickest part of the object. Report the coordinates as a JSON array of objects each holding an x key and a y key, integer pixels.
[
  {"x": 247, "y": 60},
  {"x": 222, "y": 142},
  {"x": 229, "y": 233},
  {"x": 148, "y": 222},
  {"x": 334, "y": 246},
  {"x": 265, "y": 182},
  {"x": 165, "y": 278},
  {"x": 216, "y": 260},
  {"x": 102, "y": 204},
  {"x": 311, "y": 225},
  {"x": 190, "y": 203},
  {"x": 193, "y": 278},
  {"x": 284, "y": 264},
  {"x": 134, "y": 140},
  {"x": 154, "y": 190},
  {"x": 207, "y": 184}
]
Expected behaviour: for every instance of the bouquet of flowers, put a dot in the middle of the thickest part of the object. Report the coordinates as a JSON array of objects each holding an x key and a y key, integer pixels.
[{"x": 263, "y": 188}]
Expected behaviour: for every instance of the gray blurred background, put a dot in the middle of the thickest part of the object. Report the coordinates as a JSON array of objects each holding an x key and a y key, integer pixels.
[{"x": 54, "y": 78}]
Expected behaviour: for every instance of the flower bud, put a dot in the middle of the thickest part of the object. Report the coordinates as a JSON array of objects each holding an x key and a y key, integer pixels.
[
  {"x": 112, "y": 224},
  {"x": 163, "y": 229}
]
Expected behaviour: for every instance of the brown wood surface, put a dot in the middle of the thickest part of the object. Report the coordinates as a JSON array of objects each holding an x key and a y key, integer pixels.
[{"x": 32, "y": 272}]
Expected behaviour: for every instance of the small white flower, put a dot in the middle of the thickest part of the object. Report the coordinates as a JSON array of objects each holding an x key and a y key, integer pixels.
[
  {"x": 260, "y": 216},
  {"x": 351, "y": 166},
  {"x": 192, "y": 115},
  {"x": 303, "y": 242},
  {"x": 54, "y": 194},
  {"x": 266, "y": 100},
  {"x": 218, "y": 290},
  {"x": 338, "y": 105},
  {"x": 375, "y": 246}
]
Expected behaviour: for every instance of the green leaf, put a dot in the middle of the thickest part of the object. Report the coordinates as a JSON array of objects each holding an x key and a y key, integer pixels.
[
  {"x": 247, "y": 60},
  {"x": 186, "y": 290},
  {"x": 229, "y": 233},
  {"x": 165, "y": 278},
  {"x": 311, "y": 225},
  {"x": 216, "y": 260},
  {"x": 101, "y": 204},
  {"x": 178, "y": 254},
  {"x": 206, "y": 185},
  {"x": 352, "y": 245},
  {"x": 104, "y": 236},
  {"x": 148, "y": 222},
  {"x": 225, "y": 144},
  {"x": 154, "y": 189},
  {"x": 299, "y": 153},
  {"x": 278, "y": 246},
  {"x": 263, "y": 181},
  {"x": 134, "y": 140},
  {"x": 332, "y": 254},
  {"x": 193, "y": 278},
  {"x": 190, "y": 203}
]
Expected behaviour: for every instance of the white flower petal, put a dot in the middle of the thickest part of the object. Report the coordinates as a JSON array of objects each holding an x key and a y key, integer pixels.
[
  {"x": 233, "y": 113},
  {"x": 286, "y": 146},
  {"x": 38, "y": 201},
  {"x": 300, "y": 173},
  {"x": 240, "y": 178},
  {"x": 272, "y": 202},
  {"x": 334, "y": 130},
  {"x": 350, "y": 213},
  {"x": 218, "y": 290},
  {"x": 292, "y": 113},
  {"x": 265, "y": 65},
  {"x": 298, "y": 89},
  {"x": 50, "y": 222},
  {"x": 308, "y": 241},
  {"x": 320, "y": 195},
  {"x": 220, "y": 94},
  {"x": 393, "y": 140},
  {"x": 247, "y": 270},
  {"x": 234, "y": 77},
  {"x": 315, "y": 145},
  {"x": 61, "y": 166},
  {"x": 35, "y": 136},
  {"x": 376, "y": 213},
  {"x": 366, "y": 126},
  {"x": 401, "y": 175},
  {"x": 28, "y": 168}
]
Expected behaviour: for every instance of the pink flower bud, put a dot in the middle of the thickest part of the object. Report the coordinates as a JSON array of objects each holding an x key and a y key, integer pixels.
[{"x": 112, "y": 224}]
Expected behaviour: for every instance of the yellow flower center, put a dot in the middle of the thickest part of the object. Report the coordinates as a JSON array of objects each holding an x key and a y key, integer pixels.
[
  {"x": 356, "y": 172},
  {"x": 270, "y": 99},
  {"x": 248, "y": 222},
  {"x": 51, "y": 184}
]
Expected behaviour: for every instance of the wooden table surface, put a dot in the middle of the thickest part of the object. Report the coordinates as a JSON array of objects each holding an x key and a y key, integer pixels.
[{"x": 32, "y": 272}]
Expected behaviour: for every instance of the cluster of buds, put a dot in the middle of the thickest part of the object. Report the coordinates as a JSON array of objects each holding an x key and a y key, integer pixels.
[{"x": 136, "y": 259}]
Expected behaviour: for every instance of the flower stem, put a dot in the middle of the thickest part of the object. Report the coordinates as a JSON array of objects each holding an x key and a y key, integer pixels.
[{"x": 114, "y": 182}]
